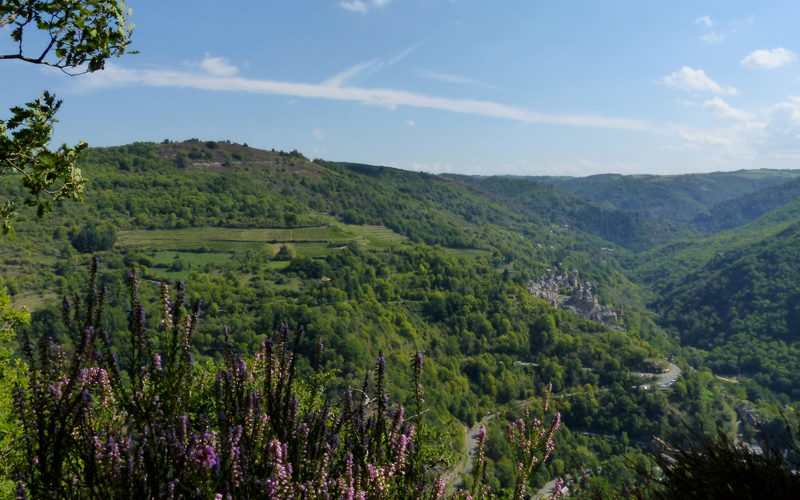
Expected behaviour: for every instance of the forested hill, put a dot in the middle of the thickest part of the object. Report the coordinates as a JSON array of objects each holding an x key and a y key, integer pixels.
[
  {"x": 598, "y": 217},
  {"x": 744, "y": 307},
  {"x": 734, "y": 294},
  {"x": 672, "y": 197},
  {"x": 375, "y": 260},
  {"x": 738, "y": 211}
]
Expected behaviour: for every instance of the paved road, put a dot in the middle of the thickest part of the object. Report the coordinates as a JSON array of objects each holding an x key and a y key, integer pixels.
[
  {"x": 665, "y": 379},
  {"x": 471, "y": 441},
  {"x": 471, "y": 435},
  {"x": 545, "y": 491}
]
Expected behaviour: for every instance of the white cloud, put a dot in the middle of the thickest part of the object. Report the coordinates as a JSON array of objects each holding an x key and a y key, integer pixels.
[
  {"x": 689, "y": 79},
  {"x": 693, "y": 141},
  {"x": 449, "y": 78},
  {"x": 768, "y": 59},
  {"x": 704, "y": 20},
  {"x": 355, "y": 6},
  {"x": 363, "y": 7},
  {"x": 317, "y": 133},
  {"x": 783, "y": 125},
  {"x": 402, "y": 55},
  {"x": 410, "y": 123},
  {"x": 713, "y": 37},
  {"x": 340, "y": 79},
  {"x": 114, "y": 75},
  {"x": 369, "y": 68},
  {"x": 722, "y": 109},
  {"x": 773, "y": 140},
  {"x": 217, "y": 66}
]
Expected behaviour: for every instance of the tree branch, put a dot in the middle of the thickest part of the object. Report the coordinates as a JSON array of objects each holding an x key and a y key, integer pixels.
[{"x": 13, "y": 17}]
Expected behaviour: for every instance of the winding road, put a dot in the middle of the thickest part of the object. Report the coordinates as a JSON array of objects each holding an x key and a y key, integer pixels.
[
  {"x": 664, "y": 379},
  {"x": 471, "y": 444}
]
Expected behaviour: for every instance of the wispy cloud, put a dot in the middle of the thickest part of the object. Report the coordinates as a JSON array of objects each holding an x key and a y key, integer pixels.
[
  {"x": 115, "y": 75},
  {"x": 340, "y": 79},
  {"x": 690, "y": 80},
  {"x": 713, "y": 37},
  {"x": 217, "y": 66},
  {"x": 355, "y": 6},
  {"x": 410, "y": 123},
  {"x": 722, "y": 109},
  {"x": 403, "y": 54},
  {"x": 768, "y": 59},
  {"x": 705, "y": 20},
  {"x": 317, "y": 133},
  {"x": 368, "y": 68},
  {"x": 449, "y": 78},
  {"x": 363, "y": 7},
  {"x": 693, "y": 141}
]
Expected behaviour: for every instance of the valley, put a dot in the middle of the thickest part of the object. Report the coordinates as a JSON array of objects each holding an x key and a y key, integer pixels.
[{"x": 506, "y": 285}]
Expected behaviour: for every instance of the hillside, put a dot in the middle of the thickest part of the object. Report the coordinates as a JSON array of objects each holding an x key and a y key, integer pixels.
[
  {"x": 738, "y": 211},
  {"x": 600, "y": 218},
  {"x": 732, "y": 294},
  {"x": 744, "y": 307},
  {"x": 678, "y": 198}
]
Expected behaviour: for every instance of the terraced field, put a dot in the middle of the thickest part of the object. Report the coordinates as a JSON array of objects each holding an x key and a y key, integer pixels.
[{"x": 311, "y": 241}]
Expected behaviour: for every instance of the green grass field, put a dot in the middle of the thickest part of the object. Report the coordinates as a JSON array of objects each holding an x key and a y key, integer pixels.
[
  {"x": 32, "y": 300},
  {"x": 195, "y": 259},
  {"x": 468, "y": 253},
  {"x": 310, "y": 241}
]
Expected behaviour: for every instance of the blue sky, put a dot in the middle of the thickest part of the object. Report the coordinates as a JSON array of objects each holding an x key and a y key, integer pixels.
[{"x": 479, "y": 87}]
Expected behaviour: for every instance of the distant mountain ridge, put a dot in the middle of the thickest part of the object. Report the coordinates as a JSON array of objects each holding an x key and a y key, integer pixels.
[
  {"x": 735, "y": 212},
  {"x": 678, "y": 198},
  {"x": 557, "y": 205}
]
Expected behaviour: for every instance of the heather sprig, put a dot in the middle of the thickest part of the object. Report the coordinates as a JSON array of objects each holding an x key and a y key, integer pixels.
[{"x": 532, "y": 442}]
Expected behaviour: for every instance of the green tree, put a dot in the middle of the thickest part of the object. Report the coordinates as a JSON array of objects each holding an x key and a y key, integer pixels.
[
  {"x": 94, "y": 239},
  {"x": 75, "y": 37}
]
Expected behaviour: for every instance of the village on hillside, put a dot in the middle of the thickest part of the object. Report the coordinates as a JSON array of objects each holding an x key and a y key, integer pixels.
[{"x": 565, "y": 291}]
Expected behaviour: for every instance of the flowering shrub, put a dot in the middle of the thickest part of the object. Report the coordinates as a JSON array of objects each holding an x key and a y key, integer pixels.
[
  {"x": 167, "y": 428},
  {"x": 532, "y": 442}
]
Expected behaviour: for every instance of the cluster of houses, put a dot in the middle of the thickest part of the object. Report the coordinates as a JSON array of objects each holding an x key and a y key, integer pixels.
[{"x": 565, "y": 291}]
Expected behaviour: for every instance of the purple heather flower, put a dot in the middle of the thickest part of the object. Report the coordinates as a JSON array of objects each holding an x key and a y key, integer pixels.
[{"x": 205, "y": 456}]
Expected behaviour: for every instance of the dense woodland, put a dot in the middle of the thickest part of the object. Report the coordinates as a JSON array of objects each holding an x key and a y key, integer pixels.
[{"x": 380, "y": 263}]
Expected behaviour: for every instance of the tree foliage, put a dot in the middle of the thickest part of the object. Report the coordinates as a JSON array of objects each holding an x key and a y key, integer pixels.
[
  {"x": 75, "y": 37},
  {"x": 94, "y": 239}
]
